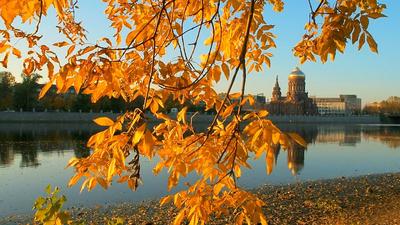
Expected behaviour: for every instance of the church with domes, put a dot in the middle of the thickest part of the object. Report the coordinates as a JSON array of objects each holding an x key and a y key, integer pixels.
[{"x": 296, "y": 101}]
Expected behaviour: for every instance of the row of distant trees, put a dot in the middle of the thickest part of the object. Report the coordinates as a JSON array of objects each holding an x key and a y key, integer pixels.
[
  {"x": 24, "y": 96},
  {"x": 391, "y": 106}
]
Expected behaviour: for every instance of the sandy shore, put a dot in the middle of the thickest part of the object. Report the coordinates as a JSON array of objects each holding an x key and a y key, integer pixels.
[{"x": 372, "y": 199}]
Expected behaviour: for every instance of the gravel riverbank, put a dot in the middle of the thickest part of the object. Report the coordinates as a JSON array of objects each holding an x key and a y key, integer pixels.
[{"x": 372, "y": 199}]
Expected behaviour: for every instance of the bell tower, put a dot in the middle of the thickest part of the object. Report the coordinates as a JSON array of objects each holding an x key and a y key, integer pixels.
[{"x": 276, "y": 92}]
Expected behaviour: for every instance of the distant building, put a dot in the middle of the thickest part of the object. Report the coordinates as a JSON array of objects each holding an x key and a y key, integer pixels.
[
  {"x": 260, "y": 99},
  {"x": 353, "y": 104},
  {"x": 296, "y": 102},
  {"x": 259, "y": 103},
  {"x": 344, "y": 105},
  {"x": 330, "y": 106}
]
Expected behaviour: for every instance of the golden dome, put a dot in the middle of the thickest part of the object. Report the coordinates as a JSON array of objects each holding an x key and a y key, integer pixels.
[{"x": 297, "y": 73}]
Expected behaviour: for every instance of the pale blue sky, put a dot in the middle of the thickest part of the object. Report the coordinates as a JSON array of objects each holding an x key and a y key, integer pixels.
[{"x": 373, "y": 77}]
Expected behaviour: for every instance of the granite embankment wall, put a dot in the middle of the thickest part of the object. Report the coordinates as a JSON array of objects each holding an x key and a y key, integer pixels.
[
  {"x": 48, "y": 117},
  {"x": 76, "y": 117},
  {"x": 364, "y": 119}
]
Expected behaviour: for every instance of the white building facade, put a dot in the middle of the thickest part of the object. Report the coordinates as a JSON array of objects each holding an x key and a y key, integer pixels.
[{"x": 344, "y": 105}]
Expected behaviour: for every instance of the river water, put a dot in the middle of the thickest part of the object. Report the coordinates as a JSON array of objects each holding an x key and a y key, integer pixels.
[{"x": 34, "y": 155}]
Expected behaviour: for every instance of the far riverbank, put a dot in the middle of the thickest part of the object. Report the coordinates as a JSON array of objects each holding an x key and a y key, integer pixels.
[
  {"x": 371, "y": 199},
  {"x": 76, "y": 117}
]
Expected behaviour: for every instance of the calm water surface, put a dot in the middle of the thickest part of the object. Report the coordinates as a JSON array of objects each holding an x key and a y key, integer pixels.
[{"x": 34, "y": 155}]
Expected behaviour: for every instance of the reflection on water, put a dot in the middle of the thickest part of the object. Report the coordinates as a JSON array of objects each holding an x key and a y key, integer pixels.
[
  {"x": 295, "y": 158},
  {"x": 341, "y": 135},
  {"x": 389, "y": 137},
  {"x": 27, "y": 140},
  {"x": 33, "y": 155}
]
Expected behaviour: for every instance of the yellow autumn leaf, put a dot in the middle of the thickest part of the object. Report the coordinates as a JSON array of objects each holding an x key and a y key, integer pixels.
[
  {"x": 111, "y": 169},
  {"x": 235, "y": 95},
  {"x": 217, "y": 188},
  {"x": 356, "y": 33},
  {"x": 61, "y": 44},
  {"x": 179, "y": 218},
  {"x": 165, "y": 199},
  {"x": 70, "y": 50},
  {"x": 5, "y": 60},
  {"x": 104, "y": 121},
  {"x": 28, "y": 66},
  {"x": 130, "y": 37},
  {"x": 216, "y": 72},
  {"x": 375, "y": 15},
  {"x": 276, "y": 137},
  {"x": 263, "y": 220},
  {"x": 154, "y": 107},
  {"x": 45, "y": 88},
  {"x": 102, "y": 182},
  {"x": 364, "y": 22},
  {"x": 181, "y": 117},
  {"x": 74, "y": 179},
  {"x": 298, "y": 139},
  {"x": 16, "y": 52},
  {"x": 238, "y": 171},
  {"x": 262, "y": 113},
  {"x": 225, "y": 69},
  {"x": 138, "y": 134},
  {"x": 361, "y": 41},
  {"x": 372, "y": 44},
  {"x": 72, "y": 162},
  {"x": 86, "y": 50},
  {"x": 147, "y": 144},
  {"x": 92, "y": 183}
]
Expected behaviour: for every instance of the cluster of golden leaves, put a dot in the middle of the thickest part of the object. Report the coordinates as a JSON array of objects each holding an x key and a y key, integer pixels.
[
  {"x": 161, "y": 50},
  {"x": 344, "y": 21}
]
